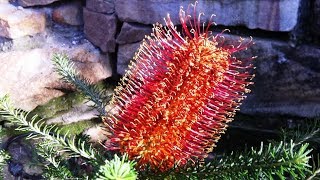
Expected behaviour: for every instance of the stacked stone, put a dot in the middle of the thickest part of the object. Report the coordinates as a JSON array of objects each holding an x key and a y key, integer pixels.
[
  {"x": 16, "y": 23},
  {"x": 137, "y": 16},
  {"x": 28, "y": 40},
  {"x": 287, "y": 73},
  {"x": 101, "y": 24},
  {"x": 287, "y": 68}
]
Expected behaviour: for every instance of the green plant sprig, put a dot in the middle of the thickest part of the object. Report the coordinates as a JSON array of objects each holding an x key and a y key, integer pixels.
[
  {"x": 65, "y": 68},
  {"x": 315, "y": 173},
  {"x": 274, "y": 161},
  {"x": 40, "y": 130},
  {"x": 269, "y": 162},
  {"x": 117, "y": 168}
]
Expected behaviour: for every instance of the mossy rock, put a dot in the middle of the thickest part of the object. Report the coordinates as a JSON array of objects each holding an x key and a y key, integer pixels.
[
  {"x": 59, "y": 104},
  {"x": 78, "y": 127},
  {"x": 62, "y": 104},
  {"x": 66, "y": 105}
]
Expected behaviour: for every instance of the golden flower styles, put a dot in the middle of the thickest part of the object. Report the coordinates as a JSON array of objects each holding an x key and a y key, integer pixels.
[{"x": 178, "y": 95}]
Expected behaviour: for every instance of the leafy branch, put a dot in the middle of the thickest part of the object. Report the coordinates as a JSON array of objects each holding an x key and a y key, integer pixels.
[
  {"x": 316, "y": 168},
  {"x": 268, "y": 162},
  {"x": 117, "y": 169},
  {"x": 48, "y": 133},
  {"x": 274, "y": 161},
  {"x": 56, "y": 169},
  {"x": 307, "y": 133},
  {"x": 65, "y": 68}
]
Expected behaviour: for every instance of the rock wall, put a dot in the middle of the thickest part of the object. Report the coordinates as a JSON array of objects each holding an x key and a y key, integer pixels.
[
  {"x": 30, "y": 33},
  {"x": 286, "y": 33}
]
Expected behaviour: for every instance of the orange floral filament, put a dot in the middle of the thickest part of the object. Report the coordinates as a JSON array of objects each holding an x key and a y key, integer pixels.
[{"x": 178, "y": 95}]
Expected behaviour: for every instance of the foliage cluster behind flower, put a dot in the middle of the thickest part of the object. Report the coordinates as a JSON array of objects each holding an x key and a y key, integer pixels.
[{"x": 169, "y": 111}]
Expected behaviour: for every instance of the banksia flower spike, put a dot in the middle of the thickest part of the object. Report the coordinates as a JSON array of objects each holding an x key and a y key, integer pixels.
[{"x": 178, "y": 95}]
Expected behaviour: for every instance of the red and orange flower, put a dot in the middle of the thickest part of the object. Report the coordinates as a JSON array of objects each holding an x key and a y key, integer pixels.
[{"x": 178, "y": 95}]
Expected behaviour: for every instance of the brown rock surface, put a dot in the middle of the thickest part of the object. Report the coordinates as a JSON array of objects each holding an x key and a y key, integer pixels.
[
  {"x": 29, "y": 79},
  {"x": 16, "y": 23},
  {"x": 100, "y": 29},
  {"x": 69, "y": 13}
]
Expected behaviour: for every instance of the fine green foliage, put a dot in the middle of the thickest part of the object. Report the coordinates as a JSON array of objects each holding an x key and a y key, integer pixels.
[
  {"x": 65, "y": 68},
  {"x": 315, "y": 174},
  {"x": 310, "y": 133},
  {"x": 4, "y": 156},
  {"x": 62, "y": 172},
  {"x": 49, "y": 133},
  {"x": 55, "y": 168},
  {"x": 306, "y": 133},
  {"x": 274, "y": 161},
  {"x": 117, "y": 169},
  {"x": 54, "y": 147}
]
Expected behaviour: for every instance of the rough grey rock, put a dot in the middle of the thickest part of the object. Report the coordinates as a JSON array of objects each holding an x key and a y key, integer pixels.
[
  {"x": 101, "y": 6},
  {"x": 28, "y": 76},
  {"x": 23, "y": 157},
  {"x": 5, "y": 44},
  {"x": 132, "y": 32},
  {"x": 27, "y": 3},
  {"x": 23, "y": 43},
  {"x": 286, "y": 81},
  {"x": 100, "y": 29},
  {"x": 69, "y": 13},
  {"x": 16, "y": 23},
  {"x": 125, "y": 54},
  {"x": 267, "y": 15},
  {"x": 6, "y": 173}
]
